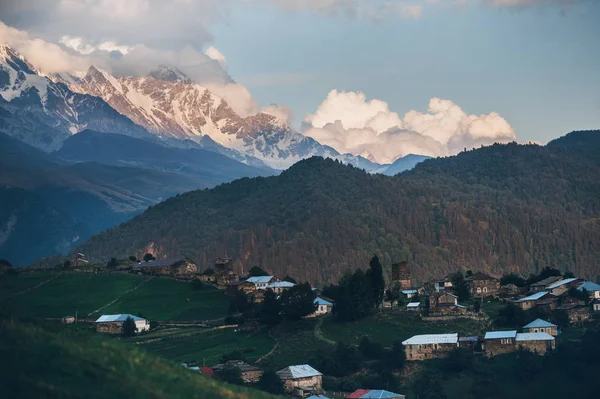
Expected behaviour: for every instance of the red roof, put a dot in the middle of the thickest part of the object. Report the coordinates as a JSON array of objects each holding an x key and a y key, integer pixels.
[
  {"x": 359, "y": 393},
  {"x": 207, "y": 371}
]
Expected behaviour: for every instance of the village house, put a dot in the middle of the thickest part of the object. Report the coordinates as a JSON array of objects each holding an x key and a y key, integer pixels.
[
  {"x": 444, "y": 284},
  {"x": 482, "y": 286},
  {"x": 529, "y": 301},
  {"x": 413, "y": 307},
  {"x": 536, "y": 342},
  {"x": 540, "y": 325},
  {"x": 510, "y": 289},
  {"x": 445, "y": 304},
  {"x": 374, "y": 394},
  {"x": 236, "y": 286},
  {"x": 429, "y": 346},
  {"x": 79, "y": 260},
  {"x": 317, "y": 397},
  {"x": 562, "y": 286},
  {"x": 250, "y": 374},
  {"x": 596, "y": 305},
  {"x": 224, "y": 273},
  {"x": 591, "y": 288},
  {"x": 549, "y": 303},
  {"x": 409, "y": 293},
  {"x": 257, "y": 296},
  {"x": 401, "y": 275},
  {"x": 113, "y": 323},
  {"x": 499, "y": 342},
  {"x": 261, "y": 282},
  {"x": 301, "y": 380},
  {"x": 323, "y": 306},
  {"x": 543, "y": 284},
  {"x": 167, "y": 267},
  {"x": 577, "y": 312},
  {"x": 279, "y": 286}
]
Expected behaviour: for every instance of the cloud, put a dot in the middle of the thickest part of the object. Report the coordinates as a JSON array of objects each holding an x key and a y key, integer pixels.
[
  {"x": 350, "y": 123},
  {"x": 216, "y": 55},
  {"x": 282, "y": 112},
  {"x": 368, "y": 9}
]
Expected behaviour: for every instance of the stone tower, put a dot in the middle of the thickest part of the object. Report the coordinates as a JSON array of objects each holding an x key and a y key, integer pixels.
[{"x": 401, "y": 275}]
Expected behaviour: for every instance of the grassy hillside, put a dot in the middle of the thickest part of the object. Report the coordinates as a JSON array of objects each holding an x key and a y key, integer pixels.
[
  {"x": 48, "y": 361},
  {"x": 495, "y": 209}
]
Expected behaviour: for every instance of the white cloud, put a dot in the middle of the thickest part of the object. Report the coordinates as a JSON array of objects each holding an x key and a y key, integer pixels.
[
  {"x": 350, "y": 123},
  {"x": 282, "y": 112},
  {"x": 215, "y": 54},
  {"x": 356, "y": 8}
]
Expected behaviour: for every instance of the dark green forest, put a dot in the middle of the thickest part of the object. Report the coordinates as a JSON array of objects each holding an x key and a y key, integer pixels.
[{"x": 497, "y": 209}]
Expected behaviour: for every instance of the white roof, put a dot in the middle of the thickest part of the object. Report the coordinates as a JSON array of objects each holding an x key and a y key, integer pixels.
[
  {"x": 260, "y": 279},
  {"x": 300, "y": 371},
  {"x": 432, "y": 339},
  {"x": 407, "y": 292},
  {"x": 116, "y": 317},
  {"x": 281, "y": 284},
  {"x": 500, "y": 334},
  {"x": 413, "y": 305},
  {"x": 536, "y": 336},
  {"x": 533, "y": 297},
  {"x": 561, "y": 282}
]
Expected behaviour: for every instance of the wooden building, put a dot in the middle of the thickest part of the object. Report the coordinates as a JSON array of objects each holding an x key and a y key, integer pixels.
[
  {"x": 301, "y": 380},
  {"x": 401, "y": 275},
  {"x": 482, "y": 285},
  {"x": 429, "y": 346},
  {"x": 224, "y": 273}
]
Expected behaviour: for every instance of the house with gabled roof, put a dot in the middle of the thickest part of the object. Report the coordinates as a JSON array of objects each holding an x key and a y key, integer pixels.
[
  {"x": 536, "y": 342},
  {"x": 279, "y": 286},
  {"x": 562, "y": 286},
  {"x": 540, "y": 325},
  {"x": 499, "y": 342},
  {"x": 591, "y": 288},
  {"x": 543, "y": 284},
  {"x": 482, "y": 285},
  {"x": 261, "y": 282},
  {"x": 249, "y": 373},
  {"x": 301, "y": 380},
  {"x": 323, "y": 306},
  {"x": 374, "y": 394},
  {"x": 429, "y": 346},
  {"x": 529, "y": 302},
  {"x": 113, "y": 323}
]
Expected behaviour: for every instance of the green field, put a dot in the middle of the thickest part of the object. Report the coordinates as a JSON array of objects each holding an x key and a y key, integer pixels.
[
  {"x": 167, "y": 299},
  {"x": 388, "y": 327},
  {"x": 207, "y": 347},
  {"x": 13, "y": 284},
  {"x": 71, "y": 292}
]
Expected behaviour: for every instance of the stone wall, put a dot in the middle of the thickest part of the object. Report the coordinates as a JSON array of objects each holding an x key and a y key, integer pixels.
[
  {"x": 538, "y": 347},
  {"x": 114, "y": 327},
  {"x": 428, "y": 351},
  {"x": 484, "y": 288},
  {"x": 493, "y": 347},
  {"x": 550, "y": 330},
  {"x": 316, "y": 382},
  {"x": 252, "y": 376}
]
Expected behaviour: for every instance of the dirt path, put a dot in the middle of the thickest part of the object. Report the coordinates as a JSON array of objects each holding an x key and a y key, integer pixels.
[
  {"x": 121, "y": 296},
  {"x": 31, "y": 288},
  {"x": 264, "y": 357},
  {"x": 319, "y": 333}
]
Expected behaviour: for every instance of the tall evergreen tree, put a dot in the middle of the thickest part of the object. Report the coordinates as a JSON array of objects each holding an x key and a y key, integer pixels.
[
  {"x": 270, "y": 311},
  {"x": 377, "y": 281},
  {"x": 298, "y": 301}
]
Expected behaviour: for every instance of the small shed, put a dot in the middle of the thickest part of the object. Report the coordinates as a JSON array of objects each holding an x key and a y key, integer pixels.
[{"x": 413, "y": 307}]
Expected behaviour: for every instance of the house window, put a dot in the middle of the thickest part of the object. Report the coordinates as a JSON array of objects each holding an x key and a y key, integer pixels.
[
  {"x": 478, "y": 290},
  {"x": 484, "y": 289}
]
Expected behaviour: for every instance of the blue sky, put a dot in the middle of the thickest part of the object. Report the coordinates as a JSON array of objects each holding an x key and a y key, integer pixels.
[{"x": 537, "y": 67}]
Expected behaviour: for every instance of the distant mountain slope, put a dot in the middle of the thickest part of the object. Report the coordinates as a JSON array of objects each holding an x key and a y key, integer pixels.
[
  {"x": 403, "y": 164},
  {"x": 48, "y": 361},
  {"x": 48, "y": 204},
  {"x": 43, "y": 113},
  {"x": 495, "y": 209}
]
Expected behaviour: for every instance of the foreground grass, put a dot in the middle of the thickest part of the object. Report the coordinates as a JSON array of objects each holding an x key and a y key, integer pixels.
[
  {"x": 208, "y": 347},
  {"x": 48, "y": 361},
  {"x": 167, "y": 299}
]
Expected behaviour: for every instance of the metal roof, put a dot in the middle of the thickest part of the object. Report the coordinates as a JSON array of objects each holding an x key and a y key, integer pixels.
[
  {"x": 281, "y": 284},
  {"x": 317, "y": 397},
  {"x": 432, "y": 339},
  {"x": 299, "y": 371},
  {"x": 374, "y": 394},
  {"x": 589, "y": 286},
  {"x": 413, "y": 305},
  {"x": 320, "y": 301},
  {"x": 107, "y": 318},
  {"x": 500, "y": 334},
  {"x": 533, "y": 297},
  {"x": 538, "y": 336},
  {"x": 407, "y": 292},
  {"x": 260, "y": 279},
  {"x": 539, "y": 323},
  {"x": 157, "y": 263},
  {"x": 562, "y": 282},
  {"x": 546, "y": 281}
]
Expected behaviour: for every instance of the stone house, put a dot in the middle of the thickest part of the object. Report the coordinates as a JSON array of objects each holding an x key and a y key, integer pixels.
[
  {"x": 113, "y": 324},
  {"x": 257, "y": 296},
  {"x": 429, "y": 346},
  {"x": 543, "y": 284},
  {"x": 237, "y": 286},
  {"x": 510, "y": 289},
  {"x": 499, "y": 342},
  {"x": 250, "y": 374},
  {"x": 443, "y": 284},
  {"x": 279, "y": 286},
  {"x": 529, "y": 302},
  {"x": 577, "y": 313},
  {"x": 224, "y": 273},
  {"x": 548, "y": 303},
  {"x": 445, "y": 303},
  {"x": 167, "y": 267},
  {"x": 301, "y": 380},
  {"x": 482, "y": 285},
  {"x": 536, "y": 342},
  {"x": 401, "y": 275},
  {"x": 540, "y": 325},
  {"x": 562, "y": 286},
  {"x": 591, "y": 288},
  {"x": 261, "y": 282}
]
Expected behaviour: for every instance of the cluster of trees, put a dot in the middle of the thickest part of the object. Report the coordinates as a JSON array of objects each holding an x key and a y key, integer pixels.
[
  {"x": 494, "y": 208},
  {"x": 512, "y": 316},
  {"x": 359, "y": 293},
  {"x": 293, "y": 304}
]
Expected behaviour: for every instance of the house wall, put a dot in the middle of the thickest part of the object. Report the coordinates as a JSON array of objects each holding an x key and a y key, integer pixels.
[
  {"x": 493, "y": 347},
  {"x": 316, "y": 382},
  {"x": 526, "y": 305},
  {"x": 142, "y": 325},
  {"x": 560, "y": 289},
  {"x": 484, "y": 288},
  {"x": 114, "y": 327},
  {"x": 252, "y": 376},
  {"x": 447, "y": 298},
  {"x": 323, "y": 309},
  {"x": 597, "y": 307},
  {"x": 539, "y": 347},
  {"x": 550, "y": 330},
  {"x": 428, "y": 351}
]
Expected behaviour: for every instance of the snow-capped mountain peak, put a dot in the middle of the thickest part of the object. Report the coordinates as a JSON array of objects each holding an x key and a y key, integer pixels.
[{"x": 169, "y": 74}]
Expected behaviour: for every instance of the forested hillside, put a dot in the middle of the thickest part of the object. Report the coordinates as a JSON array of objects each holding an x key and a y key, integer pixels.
[{"x": 495, "y": 209}]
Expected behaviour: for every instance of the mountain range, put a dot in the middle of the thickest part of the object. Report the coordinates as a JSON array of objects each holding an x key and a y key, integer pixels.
[{"x": 496, "y": 209}]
